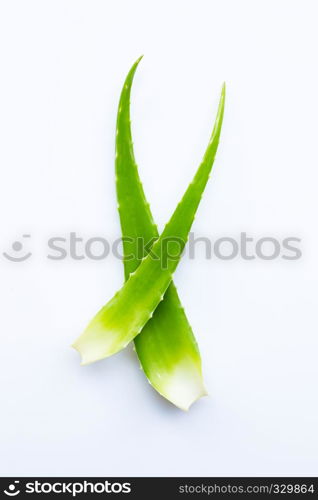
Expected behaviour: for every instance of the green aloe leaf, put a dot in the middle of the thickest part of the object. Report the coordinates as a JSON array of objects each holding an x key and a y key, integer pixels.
[
  {"x": 166, "y": 347},
  {"x": 125, "y": 315}
]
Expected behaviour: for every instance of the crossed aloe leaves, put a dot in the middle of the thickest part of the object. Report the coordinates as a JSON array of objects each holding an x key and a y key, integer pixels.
[{"x": 147, "y": 308}]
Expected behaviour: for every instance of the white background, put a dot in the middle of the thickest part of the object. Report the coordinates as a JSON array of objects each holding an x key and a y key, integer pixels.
[{"x": 62, "y": 66}]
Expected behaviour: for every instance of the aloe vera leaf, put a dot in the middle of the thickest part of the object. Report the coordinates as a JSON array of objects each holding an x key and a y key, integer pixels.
[
  {"x": 125, "y": 315},
  {"x": 166, "y": 347}
]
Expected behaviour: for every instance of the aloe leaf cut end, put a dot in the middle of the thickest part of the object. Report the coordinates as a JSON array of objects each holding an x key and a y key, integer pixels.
[{"x": 182, "y": 386}]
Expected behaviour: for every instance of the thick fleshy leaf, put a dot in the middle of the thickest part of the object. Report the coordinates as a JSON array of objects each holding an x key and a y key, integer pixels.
[{"x": 126, "y": 314}]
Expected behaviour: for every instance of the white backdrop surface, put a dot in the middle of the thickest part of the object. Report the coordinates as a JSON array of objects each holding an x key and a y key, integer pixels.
[{"x": 62, "y": 66}]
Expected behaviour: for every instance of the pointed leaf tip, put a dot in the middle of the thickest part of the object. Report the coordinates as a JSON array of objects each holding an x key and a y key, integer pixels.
[{"x": 137, "y": 61}]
